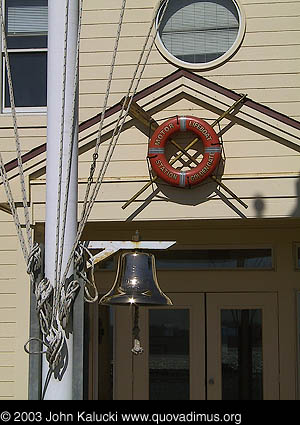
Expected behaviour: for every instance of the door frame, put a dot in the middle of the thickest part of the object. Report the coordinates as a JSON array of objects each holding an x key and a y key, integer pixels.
[
  {"x": 131, "y": 374},
  {"x": 268, "y": 303},
  {"x": 195, "y": 302}
]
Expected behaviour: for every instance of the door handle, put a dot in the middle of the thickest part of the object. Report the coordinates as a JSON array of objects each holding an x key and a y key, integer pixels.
[{"x": 211, "y": 381}]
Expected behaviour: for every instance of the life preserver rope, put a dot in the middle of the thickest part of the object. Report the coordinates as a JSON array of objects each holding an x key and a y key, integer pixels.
[{"x": 211, "y": 151}]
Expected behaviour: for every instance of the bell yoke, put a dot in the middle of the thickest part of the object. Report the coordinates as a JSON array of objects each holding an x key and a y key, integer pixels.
[{"x": 211, "y": 153}]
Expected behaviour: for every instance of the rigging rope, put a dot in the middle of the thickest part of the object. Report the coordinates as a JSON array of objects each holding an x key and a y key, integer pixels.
[
  {"x": 61, "y": 145},
  {"x": 98, "y": 141},
  {"x": 13, "y": 208},
  {"x": 71, "y": 137},
  {"x": 116, "y": 133},
  {"x": 54, "y": 303},
  {"x": 19, "y": 156}
]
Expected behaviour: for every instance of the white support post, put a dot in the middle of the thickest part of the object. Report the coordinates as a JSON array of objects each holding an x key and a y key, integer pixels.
[{"x": 60, "y": 390}]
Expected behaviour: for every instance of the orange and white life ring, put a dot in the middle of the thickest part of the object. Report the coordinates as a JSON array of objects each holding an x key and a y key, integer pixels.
[{"x": 211, "y": 151}]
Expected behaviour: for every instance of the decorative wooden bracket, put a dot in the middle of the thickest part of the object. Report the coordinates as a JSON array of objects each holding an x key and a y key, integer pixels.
[{"x": 111, "y": 247}]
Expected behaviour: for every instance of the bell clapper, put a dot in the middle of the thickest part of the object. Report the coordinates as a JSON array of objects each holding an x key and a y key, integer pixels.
[{"x": 137, "y": 348}]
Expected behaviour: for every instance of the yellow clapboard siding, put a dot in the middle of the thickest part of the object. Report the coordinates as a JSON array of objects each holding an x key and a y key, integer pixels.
[
  {"x": 8, "y": 241},
  {"x": 261, "y": 53},
  {"x": 24, "y": 133},
  {"x": 133, "y": 136},
  {"x": 7, "y": 314},
  {"x": 289, "y": 108},
  {"x": 7, "y": 257},
  {"x": 7, "y": 373},
  {"x": 7, "y": 389},
  {"x": 7, "y": 359},
  {"x": 263, "y": 82},
  {"x": 8, "y": 300},
  {"x": 87, "y": 113},
  {"x": 239, "y": 149},
  {"x": 96, "y": 91},
  {"x": 7, "y": 144},
  {"x": 116, "y": 4},
  {"x": 160, "y": 210},
  {"x": 237, "y": 82},
  {"x": 116, "y": 190},
  {"x": 8, "y": 286},
  {"x": 273, "y": 23},
  {"x": 25, "y": 120},
  {"x": 7, "y": 330},
  {"x": 128, "y": 44},
  {"x": 9, "y": 229},
  {"x": 104, "y": 16},
  {"x": 7, "y": 344},
  {"x": 230, "y": 68},
  {"x": 134, "y": 29},
  {"x": 278, "y": 9},
  {"x": 236, "y": 166},
  {"x": 7, "y": 271}
]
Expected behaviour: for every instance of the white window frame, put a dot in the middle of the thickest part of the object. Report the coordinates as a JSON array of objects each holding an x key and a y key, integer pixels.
[
  {"x": 208, "y": 65},
  {"x": 24, "y": 110}
]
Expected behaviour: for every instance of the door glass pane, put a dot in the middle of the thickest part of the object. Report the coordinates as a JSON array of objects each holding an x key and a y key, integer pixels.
[
  {"x": 105, "y": 361},
  {"x": 242, "y": 361},
  {"x": 169, "y": 354}
]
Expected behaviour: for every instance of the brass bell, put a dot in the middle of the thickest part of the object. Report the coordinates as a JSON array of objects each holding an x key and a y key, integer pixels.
[{"x": 136, "y": 282}]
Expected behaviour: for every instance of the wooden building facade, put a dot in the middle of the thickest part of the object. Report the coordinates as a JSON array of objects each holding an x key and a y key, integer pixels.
[{"x": 233, "y": 275}]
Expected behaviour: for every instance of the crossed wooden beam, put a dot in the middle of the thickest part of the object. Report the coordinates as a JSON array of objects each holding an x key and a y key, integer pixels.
[{"x": 139, "y": 113}]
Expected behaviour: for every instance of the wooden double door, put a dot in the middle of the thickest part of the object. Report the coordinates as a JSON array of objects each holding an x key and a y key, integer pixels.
[{"x": 213, "y": 346}]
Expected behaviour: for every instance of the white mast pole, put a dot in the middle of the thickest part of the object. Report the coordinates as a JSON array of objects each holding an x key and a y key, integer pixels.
[{"x": 60, "y": 390}]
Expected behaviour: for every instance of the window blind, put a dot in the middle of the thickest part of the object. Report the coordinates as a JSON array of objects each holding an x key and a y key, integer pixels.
[
  {"x": 27, "y": 17},
  {"x": 198, "y": 29}
]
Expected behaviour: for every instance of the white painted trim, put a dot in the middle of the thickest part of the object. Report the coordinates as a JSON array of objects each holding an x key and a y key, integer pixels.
[{"x": 208, "y": 65}]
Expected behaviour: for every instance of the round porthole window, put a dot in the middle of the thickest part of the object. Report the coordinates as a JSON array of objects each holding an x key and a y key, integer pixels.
[{"x": 199, "y": 34}]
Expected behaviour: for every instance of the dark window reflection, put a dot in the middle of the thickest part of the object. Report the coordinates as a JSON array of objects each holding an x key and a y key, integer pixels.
[
  {"x": 209, "y": 259},
  {"x": 29, "y": 75},
  {"x": 169, "y": 354},
  {"x": 242, "y": 361}
]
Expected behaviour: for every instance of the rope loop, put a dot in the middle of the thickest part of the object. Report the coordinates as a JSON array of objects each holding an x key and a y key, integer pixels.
[
  {"x": 34, "y": 262},
  {"x": 67, "y": 297},
  {"x": 44, "y": 299},
  {"x": 55, "y": 343},
  {"x": 38, "y": 340},
  {"x": 82, "y": 256}
]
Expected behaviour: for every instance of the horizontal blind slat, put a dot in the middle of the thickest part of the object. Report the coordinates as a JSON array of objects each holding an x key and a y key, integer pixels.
[
  {"x": 27, "y": 17},
  {"x": 194, "y": 27}
]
